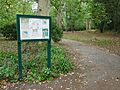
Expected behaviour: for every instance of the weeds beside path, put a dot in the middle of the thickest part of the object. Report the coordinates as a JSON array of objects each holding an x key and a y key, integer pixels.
[{"x": 34, "y": 63}]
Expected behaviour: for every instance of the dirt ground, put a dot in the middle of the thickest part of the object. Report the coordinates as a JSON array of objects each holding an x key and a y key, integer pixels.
[{"x": 96, "y": 70}]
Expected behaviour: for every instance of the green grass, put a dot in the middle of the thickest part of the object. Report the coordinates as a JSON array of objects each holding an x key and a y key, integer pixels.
[
  {"x": 34, "y": 61},
  {"x": 105, "y": 42}
]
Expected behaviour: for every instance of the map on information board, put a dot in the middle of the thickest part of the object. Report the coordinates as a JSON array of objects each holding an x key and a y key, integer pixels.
[{"x": 34, "y": 28}]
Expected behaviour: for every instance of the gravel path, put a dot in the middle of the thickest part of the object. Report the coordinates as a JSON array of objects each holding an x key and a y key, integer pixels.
[
  {"x": 97, "y": 70},
  {"x": 102, "y": 68}
]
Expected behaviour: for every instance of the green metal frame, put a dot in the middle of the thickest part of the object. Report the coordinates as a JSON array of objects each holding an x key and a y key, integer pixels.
[{"x": 18, "y": 16}]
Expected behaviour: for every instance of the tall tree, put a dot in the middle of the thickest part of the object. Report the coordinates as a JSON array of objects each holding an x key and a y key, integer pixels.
[
  {"x": 58, "y": 6},
  {"x": 43, "y": 7},
  {"x": 113, "y": 9}
]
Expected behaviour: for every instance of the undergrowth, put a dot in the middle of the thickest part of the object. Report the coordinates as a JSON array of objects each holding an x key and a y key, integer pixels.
[{"x": 34, "y": 62}]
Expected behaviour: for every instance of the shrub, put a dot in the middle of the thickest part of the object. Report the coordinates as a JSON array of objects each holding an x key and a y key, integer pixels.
[
  {"x": 56, "y": 33},
  {"x": 9, "y": 31}
]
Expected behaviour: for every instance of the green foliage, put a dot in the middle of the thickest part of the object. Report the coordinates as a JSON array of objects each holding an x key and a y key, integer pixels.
[
  {"x": 56, "y": 3},
  {"x": 9, "y": 9},
  {"x": 9, "y": 31},
  {"x": 99, "y": 13},
  {"x": 79, "y": 25},
  {"x": 46, "y": 74},
  {"x": 113, "y": 13},
  {"x": 36, "y": 69},
  {"x": 74, "y": 14},
  {"x": 61, "y": 65},
  {"x": 56, "y": 30},
  {"x": 35, "y": 65},
  {"x": 73, "y": 9},
  {"x": 56, "y": 33},
  {"x": 8, "y": 65}
]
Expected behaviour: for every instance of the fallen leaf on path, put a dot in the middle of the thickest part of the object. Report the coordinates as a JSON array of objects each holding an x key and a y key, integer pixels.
[{"x": 61, "y": 86}]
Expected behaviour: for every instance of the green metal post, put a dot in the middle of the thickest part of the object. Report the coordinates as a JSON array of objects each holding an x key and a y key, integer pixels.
[
  {"x": 19, "y": 61},
  {"x": 49, "y": 54}
]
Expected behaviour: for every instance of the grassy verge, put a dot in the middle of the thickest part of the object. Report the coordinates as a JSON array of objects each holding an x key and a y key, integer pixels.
[
  {"x": 34, "y": 60},
  {"x": 110, "y": 41}
]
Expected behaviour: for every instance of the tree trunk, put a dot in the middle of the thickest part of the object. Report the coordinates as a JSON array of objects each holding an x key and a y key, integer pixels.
[
  {"x": 90, "y": 22},
  {"x": 102, "y": 26},
  {"x": 59, "y": 16},
  {"x": 87, "y": 24},
  {"x": 43, "y": 7},
  {"x": 58, "y": 19}
]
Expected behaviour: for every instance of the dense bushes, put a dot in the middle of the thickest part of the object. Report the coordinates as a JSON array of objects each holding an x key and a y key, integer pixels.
[
  {"x": 9, "y": 31},
  {"x": 57, "y": 33}
]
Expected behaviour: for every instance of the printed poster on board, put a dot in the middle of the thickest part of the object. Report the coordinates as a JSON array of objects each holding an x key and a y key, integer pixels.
[{"x": 33, "y": 28}]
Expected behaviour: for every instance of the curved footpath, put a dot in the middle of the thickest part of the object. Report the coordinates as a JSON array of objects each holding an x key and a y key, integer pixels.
[
  {"x": 102, "y": 68},
  {"x": 97, "y": 70}
]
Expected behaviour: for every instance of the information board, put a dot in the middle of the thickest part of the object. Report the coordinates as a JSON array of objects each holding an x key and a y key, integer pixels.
[{"x": 34, "y": 28}]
